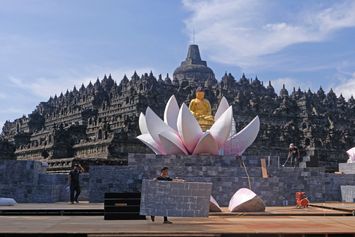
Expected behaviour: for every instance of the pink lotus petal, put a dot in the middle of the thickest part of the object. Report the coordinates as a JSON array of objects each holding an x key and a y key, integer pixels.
[
  {"x": 222, "y": 107},
  {"x": 142, "y": 124},
  {"x": 155, "y": 125},
  {"x": 189, "y": 130},
  {"x": 220, "y": 130},
  {"x": 214, "y": 207},
  {"x": 239, "y": 142},
  {"x": 7, "y": 202},
  {"x": 351, "y": 154},
  {"x": 206, "y": 144},
  {"x": 241, "y": 196},
  {"x": 171, "y": 144},
  {"x": 149, "y": 142},
  {"x": 171, "y": 112}
]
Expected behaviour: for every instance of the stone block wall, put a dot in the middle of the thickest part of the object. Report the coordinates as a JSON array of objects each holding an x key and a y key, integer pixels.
[
  {"x": 105, "y": 179},
  {"x": 227, "y": 175},
  {"x": 26, "y": 181},
  {"x": 182, "y": 199}
]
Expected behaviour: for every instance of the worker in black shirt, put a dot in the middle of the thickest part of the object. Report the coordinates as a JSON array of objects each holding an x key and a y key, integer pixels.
[
  {"x": 74, "y": 183},
  {"x": 164, "y": 176}
]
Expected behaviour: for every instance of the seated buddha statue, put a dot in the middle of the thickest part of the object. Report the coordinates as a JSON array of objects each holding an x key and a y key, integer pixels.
[{"x": 201, "y": 109}]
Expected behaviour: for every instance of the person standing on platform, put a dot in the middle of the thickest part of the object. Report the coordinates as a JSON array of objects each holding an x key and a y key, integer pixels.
[
  {"x": 294, "y": 155},
  {"x": 74, "y": 183},
  {"x": 164, "y": 176}
]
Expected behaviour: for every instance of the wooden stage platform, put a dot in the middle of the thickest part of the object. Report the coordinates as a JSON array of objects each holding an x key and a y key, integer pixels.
[{"x": 276, "y": 221}]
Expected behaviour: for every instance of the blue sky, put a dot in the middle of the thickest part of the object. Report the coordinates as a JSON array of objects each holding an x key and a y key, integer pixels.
[{"x": 48, "y": 46}]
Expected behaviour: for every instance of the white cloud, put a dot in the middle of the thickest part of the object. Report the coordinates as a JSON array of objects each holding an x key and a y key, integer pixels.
[
  {"x": 46, "y": 87},
  {"x": 26, "y": 93},
  {"x": 346, "y": 87},
  {"x": 290, "y": 83},
  {"x": 240, "y": 32},
  {"x": 10, "y": 110}
]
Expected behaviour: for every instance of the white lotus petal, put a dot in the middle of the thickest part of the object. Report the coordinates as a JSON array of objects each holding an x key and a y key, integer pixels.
[
  {"x": 7, "y": 202},
  {"x": 241, "y": 196},
  {"x": 155, "y": 125},
  {"x": 239, "y": 142},
  {"x": 214, "y": 207},
  {"x": 149, "y": 142},
  {"x": 351, "y": 154},
  {"x": 206, "y": 144},
  {"x": 245, "y": 200},
  {"x": 189, "y": 130},
  {"x": 142, "y": 124},
  {"x": 171, "y": 144},
  {"x": 171, "y": 112},
  {"x": 220, "y": 130},
  {"x": 222, "y": 107}
]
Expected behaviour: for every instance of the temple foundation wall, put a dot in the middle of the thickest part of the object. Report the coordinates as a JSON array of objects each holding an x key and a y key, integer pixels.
[{"x": 26, "y": 181}]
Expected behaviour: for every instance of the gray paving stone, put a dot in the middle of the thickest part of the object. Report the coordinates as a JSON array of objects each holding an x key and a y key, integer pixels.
[{"x": 181, "y": 199}]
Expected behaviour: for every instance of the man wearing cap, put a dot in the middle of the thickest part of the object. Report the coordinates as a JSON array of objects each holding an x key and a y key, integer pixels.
[
  {"x": 74, "y": 183},
  {"x": 293, "y": 154}
]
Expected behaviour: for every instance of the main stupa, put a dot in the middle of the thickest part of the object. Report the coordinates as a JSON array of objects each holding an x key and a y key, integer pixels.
[{"x": 193, "y": 69}]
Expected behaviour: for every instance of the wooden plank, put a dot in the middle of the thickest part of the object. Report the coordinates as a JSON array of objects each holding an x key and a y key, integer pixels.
[{"x": 263, "y": 169}]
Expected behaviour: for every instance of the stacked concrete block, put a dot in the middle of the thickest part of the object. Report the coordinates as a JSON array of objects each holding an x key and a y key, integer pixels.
[
  {"x": 347, "y": 168},
  {"x": 333, "y": 183},
  {"x": 181, "y": 199},
  {"x": 348, "y": 193}
]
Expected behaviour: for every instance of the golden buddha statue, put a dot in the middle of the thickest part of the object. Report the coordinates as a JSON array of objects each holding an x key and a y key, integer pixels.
[{"x": 201, "y": 109}]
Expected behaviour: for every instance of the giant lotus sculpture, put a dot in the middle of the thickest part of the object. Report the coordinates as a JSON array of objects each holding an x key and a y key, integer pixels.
[{"x": 181, "y": 134}]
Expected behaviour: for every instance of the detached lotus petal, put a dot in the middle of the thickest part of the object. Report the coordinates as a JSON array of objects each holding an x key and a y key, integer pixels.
[
  {"x": 222, "y": 107},
  {"x": 220, "y": 130},
  {"x": 171, "y": 113},
  {"x": 245, "y": 200},
  {"x": 239, "y": 142},
  {"x": 241, "y": 196},
  {"x": 214, "y": 207},
  {"x": 142, "y": 124},
  {"x": 206, "y": 144},
  {"x": 189, "y": 130},
  {"x": 7, "y": 202},
  {"x": 149, "y": 142}
]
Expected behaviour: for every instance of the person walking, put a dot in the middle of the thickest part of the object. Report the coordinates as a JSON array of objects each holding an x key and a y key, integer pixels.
[{"x": 74, "y": 183}]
